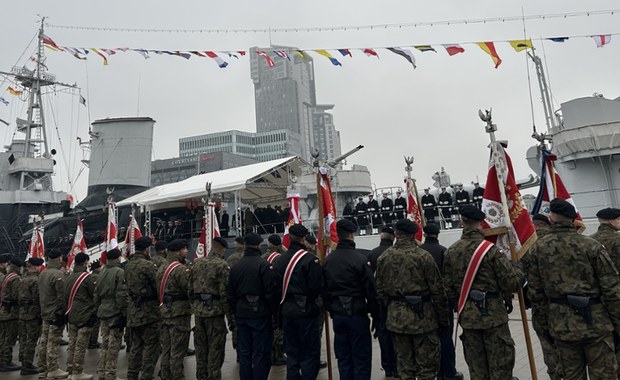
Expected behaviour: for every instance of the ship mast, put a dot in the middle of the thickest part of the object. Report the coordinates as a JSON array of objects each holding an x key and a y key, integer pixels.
[{"x": 545, "y": 92}]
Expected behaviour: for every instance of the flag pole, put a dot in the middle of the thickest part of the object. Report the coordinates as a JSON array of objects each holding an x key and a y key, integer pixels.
[
  {"x": 409, "y": 169},
  {"x": 132, "y": 232},
  {"x": 491, "y": 128},
  {"x": 207, "y": 220},
  {"x": 321, "y": 254}
]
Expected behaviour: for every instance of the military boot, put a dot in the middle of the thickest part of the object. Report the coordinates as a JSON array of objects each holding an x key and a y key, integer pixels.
[
  {"x": 82, "y": 376},
  {"x": 28, "y": 369},
  {"x": 57, "y": 374},
  {"x": 8, "y": 367}
]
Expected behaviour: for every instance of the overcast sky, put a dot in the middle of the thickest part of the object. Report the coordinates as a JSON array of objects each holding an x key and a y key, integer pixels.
[{"x": 430, "y": 112}]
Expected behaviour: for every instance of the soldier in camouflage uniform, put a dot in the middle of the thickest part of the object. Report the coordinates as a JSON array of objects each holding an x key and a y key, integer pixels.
[
  {"x": 175, "y": 309},
  {"x": 111, "y": 300},
  {"x": 51, "y": 299},
  {"x": 208, "y": 281},
  {"x": 160, "y": 254},
  {"x": 81, "y": 315},
  {"x": 29, "y": 315},
  {"x": 607, "y": 234},
  {"x": 273, "y": 253},
  {"x": 9, "y": 315},
  {"x": 487, "y": 345},
  {"x": 575, "y": 289},
  {"x": 95, "y": 269},
  {"x": 410, "y": 285},
  {"x": 232, "y": 260},
  {"x": 142, "y": 312}
]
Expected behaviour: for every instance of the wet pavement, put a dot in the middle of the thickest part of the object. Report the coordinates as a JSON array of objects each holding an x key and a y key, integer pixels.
[{"x": 230, "y": 368}]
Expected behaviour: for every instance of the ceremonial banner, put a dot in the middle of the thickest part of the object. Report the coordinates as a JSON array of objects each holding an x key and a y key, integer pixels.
[
  {"x": 521, "y": 230},
  {"x": 36, "y": 248},
  {"x": 413, "y": 210},
  {"x": 210, "y": 230},
  {"x": 110, "y": 242},
  {"x": 79, "y": 243},
  {"x": 294, "y": 217},
  {"x": 328, "y": 213},
  {"x": 133, "y": 234}
]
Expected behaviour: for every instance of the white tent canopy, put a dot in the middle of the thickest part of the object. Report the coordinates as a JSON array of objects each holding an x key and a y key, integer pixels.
[{"x": 260, "y": 181}]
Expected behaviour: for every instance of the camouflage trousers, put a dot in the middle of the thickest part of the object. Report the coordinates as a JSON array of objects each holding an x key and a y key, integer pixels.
[
  {"x": 418, "y": 356},
  {"x": 78, "y": 342},
  {"x": 552, "y": 361},
  {"x": 29, "y": 333},
  {"x": 489, "y": 353},
  {"x": 210, "y": 342},
  {"x": 174, "y": 343},
  {"x": 277, "y": 351},
  {"x": 49, "y": 346},
  {"x": 108, "y": 353},
  {"x": 8, "y": 338},
  {"x": 144, "y": 351},
  {"x": 595, "y": 354},
  {"x": 94, "y": 335}
]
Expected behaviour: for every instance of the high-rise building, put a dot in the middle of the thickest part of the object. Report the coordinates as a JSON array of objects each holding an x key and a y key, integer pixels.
[
  {"x": 285, "y": 95},
  {"x": 326, "y": 138}
]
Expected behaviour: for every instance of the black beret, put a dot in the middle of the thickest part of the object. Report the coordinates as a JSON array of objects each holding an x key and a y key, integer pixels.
[
  {"x": 274, "y": 239},
  {"x": 113, "y": 254},
  {"x": 5, "y": 258},
  {"x": 562, "y": 207},
  {"x": 81, "y": 258},
  {"x": 310, "y": 239},
  {"x": 472, "y": 212},
  {"x": 406, "y": 225},
  {"x": 17, "y": 262},
  {"x": 345, "y": 225},
  {"x": 35, "y": 261},
  {"x": 541, "y": 217},
  {"x": 608, "y": 213},
  {"x": 143, "y": 243},
  {"x": 177, "y": 245},
  {"x": 387, "y": 230},
  {"x": 431, "y": 229},
  {"x": 239, "y": 240},
  {"x": 54, "y": 254},
  {"x": 253, "y": 239},
  {"x": 161, "y": 245},
  {"x": 221, "y": 241},
  {"x": 95, "y": 265},
  {"x": 298, "y": 230}
]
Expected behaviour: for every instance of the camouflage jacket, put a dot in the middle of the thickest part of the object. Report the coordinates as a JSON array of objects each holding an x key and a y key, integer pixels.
[
  {"x": 610, "y": 238},
  {"x": 159, "y": 260},
  {"x": 209, "y": 276},
  {"x": 28, "y": 296},
  {"x": 562, "y": 263},
  {"x": 83, "y": 302},
  {"x": 51, "y": 290},
  {"x": 9, "y": 310},
  {"x": 235, "y": 257},
  {"x": 141, "y": 280},
  {"x": 111, "y": 292},
  {"x": 496, "y": 274},
  {"x": 176, "y": 287},
  {"x": 407, "y": 270}
]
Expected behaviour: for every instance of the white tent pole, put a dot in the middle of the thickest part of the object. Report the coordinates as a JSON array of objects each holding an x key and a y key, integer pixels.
[{"x": 237, "y": 215}]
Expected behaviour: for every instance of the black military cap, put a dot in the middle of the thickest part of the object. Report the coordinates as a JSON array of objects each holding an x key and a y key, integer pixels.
[
  {"x": 345, "y": 225},
  {"x": 54, "y": 254},
  {"x": 387, "y": 230},
  {"x": 274, "y": 239},
  {"x": 310, "y": 239},
  {"x": 562, "y": 207},
  {"x": 407, "y": 226},
  {"x": 143, "y": 243},
  {"x": 17, "y": 262},
  {"x": 541, "y": 217},
  {"x": 253, "y": 239},
  {"x": 239, "y": 240},
  {"x": 177, "y": 245},
  {"x": 113, "y": 254},
  {"x": 608, "y": 213},
  {"x": 161, "y": 245},
  {"x": 35, "y": 261},
  {"x": 431, "y": 229},
  {"x": 81, "y": 258},
  {"x": 5, "y": 258},
  {"x": 472, "y": 212},
  {"x": 221, "y": 241},
  {"x": 95, "y": 265},
  {"x": 298, "y": 230}
]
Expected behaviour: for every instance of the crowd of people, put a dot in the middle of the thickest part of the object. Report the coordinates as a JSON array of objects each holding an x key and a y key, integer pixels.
[{"x": 273, "y": 303}]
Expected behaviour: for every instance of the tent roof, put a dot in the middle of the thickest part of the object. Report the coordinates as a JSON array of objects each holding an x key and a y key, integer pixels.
[{"x": 254, "y": 182}]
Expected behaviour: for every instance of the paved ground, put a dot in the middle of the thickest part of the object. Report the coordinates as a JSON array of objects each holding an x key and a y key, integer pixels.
[{"x": 230, "y": 369}]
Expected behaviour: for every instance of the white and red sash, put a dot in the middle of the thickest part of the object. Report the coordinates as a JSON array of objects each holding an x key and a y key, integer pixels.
[
  {"x": 74, "y": 290},
  {"x": 272, "y": 257},
  {"x": 9, "y": 277},
  {"x": 289, "y": 271},
  {"x": 164, "y": 280}
]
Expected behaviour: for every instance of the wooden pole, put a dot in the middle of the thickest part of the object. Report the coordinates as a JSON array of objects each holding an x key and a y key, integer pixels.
[
  {"x": 321, "y": 252},
  {"x": 499, "y": 170}
]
